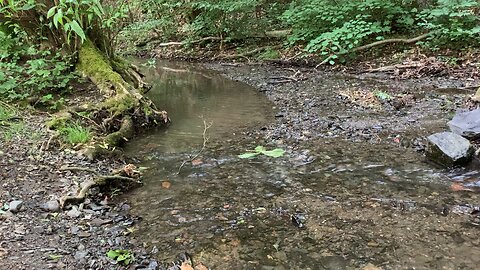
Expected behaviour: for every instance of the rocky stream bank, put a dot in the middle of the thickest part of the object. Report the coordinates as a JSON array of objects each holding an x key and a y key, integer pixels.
[{"x": 419, "y": 225}]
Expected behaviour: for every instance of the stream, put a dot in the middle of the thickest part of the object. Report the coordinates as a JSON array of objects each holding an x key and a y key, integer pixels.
[{"x": 329, "y": 203}]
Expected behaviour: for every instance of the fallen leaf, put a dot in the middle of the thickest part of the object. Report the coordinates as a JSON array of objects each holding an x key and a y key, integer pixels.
[
  {"x": 186, "y": 266},
  {"x": 459, "y": 187},
  {"x": 200, "y": 266},
  {"x": 166, "y": 184},
  {"x": 197, "y": 162},
  {"x": 129, "y": 169}
]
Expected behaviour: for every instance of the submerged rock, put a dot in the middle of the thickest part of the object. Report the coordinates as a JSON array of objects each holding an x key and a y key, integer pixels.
[
  {"x": 447, "y": 148},
  {"x": 466, "y": 124}
]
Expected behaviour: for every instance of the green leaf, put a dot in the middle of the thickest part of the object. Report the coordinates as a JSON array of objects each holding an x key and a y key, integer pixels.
[
  {"x": 274, "y": 153},
  {"x": 113, "y": 254},
  {"x": 259, "y": 149},
  {"x": 248, "y": 155},
  {"x": 51, "y": 11},
  {"x": 382, "y": 95},
  {"x": 77, "y": 29}
]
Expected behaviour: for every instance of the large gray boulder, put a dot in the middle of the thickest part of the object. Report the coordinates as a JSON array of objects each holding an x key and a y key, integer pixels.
[
  {"x": 448, "y": 149},
  {"x": 466, "y": 124}
]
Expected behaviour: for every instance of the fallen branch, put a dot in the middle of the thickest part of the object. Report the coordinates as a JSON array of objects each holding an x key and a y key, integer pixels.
[
  {"x": 99, "y": 180},
  {"x": 374, "y": 44},
  {"x": 392, "y": 40},
  {"x": 395, "y": 67},
  {"x": 181, "y": 43},
  {"x": 245, "y": 54}
]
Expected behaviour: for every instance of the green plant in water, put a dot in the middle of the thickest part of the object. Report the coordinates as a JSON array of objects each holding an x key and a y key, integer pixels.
[
  {"x": 122, "y": 256},
  {"x": 275, "y": 153},
  {"x": 75, "y": 134}
]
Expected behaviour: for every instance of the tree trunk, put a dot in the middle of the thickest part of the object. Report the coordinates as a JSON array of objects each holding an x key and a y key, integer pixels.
[{"x": 125, "y": 110}]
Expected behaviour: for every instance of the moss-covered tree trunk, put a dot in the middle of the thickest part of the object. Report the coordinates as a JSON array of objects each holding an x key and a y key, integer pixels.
[{"x": 124, "y": 110}]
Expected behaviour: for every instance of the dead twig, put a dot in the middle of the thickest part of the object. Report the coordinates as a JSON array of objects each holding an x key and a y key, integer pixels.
[{"x": 206, "y": 126}]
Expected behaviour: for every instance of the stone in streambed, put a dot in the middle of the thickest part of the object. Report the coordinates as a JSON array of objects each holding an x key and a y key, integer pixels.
[
  {"x": 448, "y": 149},
  {"x": 15, "y": 206},
  {"x": 74, "y": 212},
  {"x": 466, "y": 124},
  {"x": 51, "y": 206}
]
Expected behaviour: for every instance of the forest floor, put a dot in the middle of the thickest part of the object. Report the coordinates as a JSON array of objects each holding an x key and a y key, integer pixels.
[{"x": 36, "y": 234}]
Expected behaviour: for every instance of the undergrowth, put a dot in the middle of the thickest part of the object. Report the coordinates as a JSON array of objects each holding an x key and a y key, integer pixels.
[
  {"x": 75, "y": 133},
  {"x": 333, "y": 29}
]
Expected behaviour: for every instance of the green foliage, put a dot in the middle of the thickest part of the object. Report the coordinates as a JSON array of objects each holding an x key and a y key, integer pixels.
[
  {"x": 456, "y": 23},
  {"x": 225, "y": 19},
  {"x": 122, "y": 256},
  {"x": 275, "y": 153},
  {"x": 335, "y": 27},
  {"x": 75, "y": 134},
  {"x": 26, "y": 69},
  {"x": 382, "y": 95},
  {"x": 14, "y": 130},
  {"x": 269, "y": 54},
  {"x": 6, "y": 113}
]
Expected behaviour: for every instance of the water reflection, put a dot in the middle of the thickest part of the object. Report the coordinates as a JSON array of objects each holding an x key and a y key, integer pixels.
[{"x": 192, "y": 96}]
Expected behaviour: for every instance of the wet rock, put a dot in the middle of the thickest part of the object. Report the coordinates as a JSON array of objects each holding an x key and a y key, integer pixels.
[
  {"x": 466, "y": 124},
  {"x": 51, "y": 206},
  {"x": 74, "y": 212},
  {"x": 447, "y": 148},
  {"x": 15, "y": 206},
  {"x": 298, "y": 219}
]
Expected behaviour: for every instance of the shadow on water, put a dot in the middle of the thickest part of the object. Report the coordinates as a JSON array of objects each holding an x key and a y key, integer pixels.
[{"x": 335, "y": 205}]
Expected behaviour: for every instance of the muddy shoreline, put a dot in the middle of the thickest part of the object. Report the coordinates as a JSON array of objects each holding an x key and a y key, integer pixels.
[{"x": 309, "y": 109}]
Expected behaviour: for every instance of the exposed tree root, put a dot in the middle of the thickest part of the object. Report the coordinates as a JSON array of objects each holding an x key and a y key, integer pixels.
[{"x": 128, "y": 175}]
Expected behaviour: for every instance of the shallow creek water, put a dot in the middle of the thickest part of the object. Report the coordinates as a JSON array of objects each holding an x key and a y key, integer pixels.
[{"x": 327, "y": 204}]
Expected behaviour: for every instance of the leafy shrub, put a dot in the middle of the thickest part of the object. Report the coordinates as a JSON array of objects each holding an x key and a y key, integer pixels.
[
  {"x": 339, "y": 26},
  {"x": 455, "y": 23},
  {"x": 27, "y": 70},
  {"x": 226, "y": 19}
]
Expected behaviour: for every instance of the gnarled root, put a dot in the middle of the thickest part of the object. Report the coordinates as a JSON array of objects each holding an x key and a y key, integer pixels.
[{"x": 127, "y": 175}]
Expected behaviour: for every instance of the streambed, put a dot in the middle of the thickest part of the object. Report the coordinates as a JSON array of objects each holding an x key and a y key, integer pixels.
[{"x": 353, "y": 187}]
